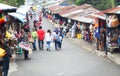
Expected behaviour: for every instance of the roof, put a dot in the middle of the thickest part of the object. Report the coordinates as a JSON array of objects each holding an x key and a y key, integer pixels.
[
  {"x": 85, "y": 15},
  {"x": 55, "y": 8},
  {"x": 84, "y": 6},
  {"x": 91, "y": 16},
  {"x": 112, "y": 10},
  {"x": 66, "y": 8},
  {"x": 101, "y": 14},
  {"x": 81, "y": 12},
  {"x": 72, "y": 13}
]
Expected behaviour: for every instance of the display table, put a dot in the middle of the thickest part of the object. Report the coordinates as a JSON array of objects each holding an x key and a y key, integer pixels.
[{"x": 111, "y": 48}]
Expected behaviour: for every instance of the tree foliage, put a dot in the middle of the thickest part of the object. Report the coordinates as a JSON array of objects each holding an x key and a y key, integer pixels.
[
  {"x": 13, "y": 2},
  {"x": 79, "y": 2},
  {"x": 99, "y": 4}
]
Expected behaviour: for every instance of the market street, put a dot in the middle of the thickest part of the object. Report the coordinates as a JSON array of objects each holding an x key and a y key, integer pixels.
[{"x": 70, "y": 61}]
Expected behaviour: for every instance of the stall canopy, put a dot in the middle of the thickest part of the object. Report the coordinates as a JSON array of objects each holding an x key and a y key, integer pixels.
[
  {"x": 83, "y": 19},
  {"x": 7, "y": 8},
  {"x": 18, "y": 16}
]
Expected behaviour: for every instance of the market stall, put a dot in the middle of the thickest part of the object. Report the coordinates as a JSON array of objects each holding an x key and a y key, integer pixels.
[
  {"x": 113, "y": 31},
  {"x": 20, "y": 17},
  {"x": 7, "y": 8},
  {"x": 99, "y": 33}
]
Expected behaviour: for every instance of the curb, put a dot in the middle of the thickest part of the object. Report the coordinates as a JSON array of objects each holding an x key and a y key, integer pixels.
[{"x": 110, "y": 56}]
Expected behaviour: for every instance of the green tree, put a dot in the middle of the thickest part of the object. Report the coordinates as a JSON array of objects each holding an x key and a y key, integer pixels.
[
  {"x": 0, "y": 1},
  {"x": 117, "y": 2},
  {"x": 99, "y": 4},
  {"x": 113, "y": 3},
  {"x": 20, "y": 2},
  {"x": 13, "y": 2},
  {"x": 79, "y": 2}
]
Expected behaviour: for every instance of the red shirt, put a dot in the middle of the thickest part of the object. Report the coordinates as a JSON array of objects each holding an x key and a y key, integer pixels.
[{"x": 41, "y": 34}]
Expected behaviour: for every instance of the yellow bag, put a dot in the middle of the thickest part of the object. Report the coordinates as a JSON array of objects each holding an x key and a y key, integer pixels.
[
  {"x": 8, "y": 35},
  {"x": 2, "y": 52},
  {"x": 79, "y": 36}
]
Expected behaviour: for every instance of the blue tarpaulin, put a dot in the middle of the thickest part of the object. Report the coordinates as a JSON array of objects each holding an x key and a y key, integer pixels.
[{"x": 18, "y": 16}]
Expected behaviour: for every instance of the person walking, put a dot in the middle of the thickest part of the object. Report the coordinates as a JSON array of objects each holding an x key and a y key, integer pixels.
[
  {"x": 34, "y": 36},
  {"x": 41, "y": 36},
  {"x": 73, "y": 30},
  {"x": 48, "y": 38},
  {"x": 57, "y": 39},
  {"x": 61, "y": 40},
  {"x": 54, "y": 39},
  {"x": 24, "y": 36}
]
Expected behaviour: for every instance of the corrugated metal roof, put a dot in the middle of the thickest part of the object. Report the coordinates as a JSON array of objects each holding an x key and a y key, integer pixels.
[
  {"x": 66, "y": 8},
  {"x": 112, "y": 10},
  {"x": 101, "y": 14},
  {"x": 91, "y": 16},
  {"x": 83, "y": 19},
  {"x": 74, "y": 12},
  {"x": 55, "y": 8},
  {"x": 82, "y": 12},
  {"x": 84, "y": 6}
]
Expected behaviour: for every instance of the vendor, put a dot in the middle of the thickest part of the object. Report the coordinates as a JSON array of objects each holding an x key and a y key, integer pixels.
[{"x": 119, "y": 43}]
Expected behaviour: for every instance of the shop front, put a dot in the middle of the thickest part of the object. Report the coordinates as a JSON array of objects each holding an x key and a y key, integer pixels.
[
  {"x": 113, "y": 32},
  {"x": 99, "y": 33}
]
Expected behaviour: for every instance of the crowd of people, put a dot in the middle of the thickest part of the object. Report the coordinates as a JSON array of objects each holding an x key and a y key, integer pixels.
[
  {"x": 17, "y": 39},
  {"x": 49, "y": 37}
]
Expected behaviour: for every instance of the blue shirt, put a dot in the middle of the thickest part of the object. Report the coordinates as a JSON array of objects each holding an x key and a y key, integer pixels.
[{"x": 118, "y": 41}]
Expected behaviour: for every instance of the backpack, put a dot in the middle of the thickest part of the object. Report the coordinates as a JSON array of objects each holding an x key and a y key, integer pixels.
[{"x": 57, "y": 38}]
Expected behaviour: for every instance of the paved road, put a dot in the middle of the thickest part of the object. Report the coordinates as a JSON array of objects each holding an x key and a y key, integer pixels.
[{"x": 70, "y": 61}]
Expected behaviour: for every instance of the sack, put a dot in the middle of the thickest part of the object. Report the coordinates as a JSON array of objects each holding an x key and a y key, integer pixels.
[
  {"x": 112, "y": 21},
  {"x": 24, "y": 45},
  {"x": 30, "y": 51},
  {"x": 2, "y": 53},
  {"x": 30, "y": 40}
]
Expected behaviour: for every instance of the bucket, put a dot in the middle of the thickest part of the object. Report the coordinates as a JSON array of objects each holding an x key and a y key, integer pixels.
[{"x": 79, "y": 36}]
